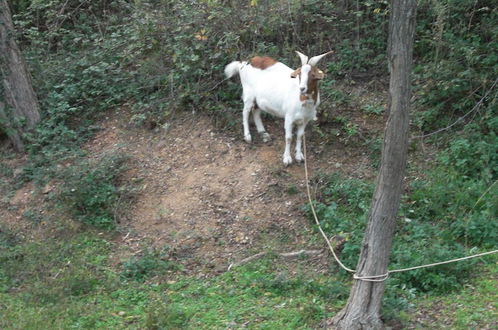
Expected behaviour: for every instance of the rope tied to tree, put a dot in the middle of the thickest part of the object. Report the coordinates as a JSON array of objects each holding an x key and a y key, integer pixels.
[{"x": 373, "y": 278}]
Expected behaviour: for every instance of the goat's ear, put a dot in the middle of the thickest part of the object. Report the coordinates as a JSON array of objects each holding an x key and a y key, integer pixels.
[
  {"x": 318, "y": 74},
  {"x": 296, "y": 73}
]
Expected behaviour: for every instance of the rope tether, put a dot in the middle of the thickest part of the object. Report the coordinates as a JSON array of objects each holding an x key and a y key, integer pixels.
[{"x": 370, "y": 278}]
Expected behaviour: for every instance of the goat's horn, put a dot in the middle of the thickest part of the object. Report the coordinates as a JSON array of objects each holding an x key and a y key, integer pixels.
[
  {"x": 304, "y": 58},
  {"x": 314, "y": 60}
]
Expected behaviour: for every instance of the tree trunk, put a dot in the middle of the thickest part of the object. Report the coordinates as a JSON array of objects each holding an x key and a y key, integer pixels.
[
  {"x": 21, "y": 111},
  {"x": 363, "y": 307}
]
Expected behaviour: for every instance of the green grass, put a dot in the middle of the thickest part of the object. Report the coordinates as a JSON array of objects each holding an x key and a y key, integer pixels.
[
  {"x": 74, "y": 283},
  {"x": 474, "y": 307}
]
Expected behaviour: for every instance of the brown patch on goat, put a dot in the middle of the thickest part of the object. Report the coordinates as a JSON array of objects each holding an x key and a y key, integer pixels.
[
  {"x": 316, "y": 73},
  {"x": 313, "y": 94},
  {"x": 262, "y": 62}
]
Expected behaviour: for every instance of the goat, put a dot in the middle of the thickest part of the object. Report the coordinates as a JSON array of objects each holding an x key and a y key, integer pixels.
[{"x": 271, "y": 86}]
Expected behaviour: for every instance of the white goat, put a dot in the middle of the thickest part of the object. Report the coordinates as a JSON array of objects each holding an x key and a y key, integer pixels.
[{"x": 270, "y": 86}]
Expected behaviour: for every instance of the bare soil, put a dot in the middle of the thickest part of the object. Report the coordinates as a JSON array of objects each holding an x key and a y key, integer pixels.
[{"x": 212, "y": 198}]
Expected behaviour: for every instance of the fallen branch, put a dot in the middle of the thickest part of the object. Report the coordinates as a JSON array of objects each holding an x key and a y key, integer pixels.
[
  {"x": 300, "y": 253},
  {"x": 284, "y": 254}
]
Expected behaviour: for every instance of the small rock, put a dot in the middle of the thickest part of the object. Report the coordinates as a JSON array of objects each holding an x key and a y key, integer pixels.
[{"x": 48, "y": 188}]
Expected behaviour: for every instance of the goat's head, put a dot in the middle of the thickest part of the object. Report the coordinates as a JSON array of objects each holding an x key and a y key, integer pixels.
[{"x": 309, "y": 74}]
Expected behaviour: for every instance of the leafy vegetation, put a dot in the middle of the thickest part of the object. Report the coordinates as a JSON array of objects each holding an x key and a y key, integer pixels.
[
  {"x": 151, "y": 262},
  {"x": 449, "y": 214},
  {"x": 458, "y": 60},
  {"x": 92, "y": 193}
]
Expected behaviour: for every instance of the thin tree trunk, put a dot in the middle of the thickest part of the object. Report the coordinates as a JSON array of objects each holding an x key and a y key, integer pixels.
[
  {"x": 22, "y": 110},
  {"x": 363, "y": 307}
]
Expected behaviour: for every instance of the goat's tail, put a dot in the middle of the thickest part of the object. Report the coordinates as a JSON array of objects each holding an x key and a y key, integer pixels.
[{"x": 232, "y": 69}]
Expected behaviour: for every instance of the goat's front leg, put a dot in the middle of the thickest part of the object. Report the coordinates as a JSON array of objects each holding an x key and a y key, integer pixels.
[
  {"x": 245, "y": 121},
  {"x": 288, "y": 140},
  {"x": 299, "y": 139}
]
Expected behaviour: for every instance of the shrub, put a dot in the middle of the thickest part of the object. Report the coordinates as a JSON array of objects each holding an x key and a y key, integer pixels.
[
  {"x": 151, "y": 262},
  {"x": 342, "y": 210},
  {"x": 92, "y": 193},
  {"x": 456, "y": 60}
]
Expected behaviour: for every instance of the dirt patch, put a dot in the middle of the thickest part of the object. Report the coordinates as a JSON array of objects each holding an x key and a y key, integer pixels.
[{"x": 212, "y": 198}]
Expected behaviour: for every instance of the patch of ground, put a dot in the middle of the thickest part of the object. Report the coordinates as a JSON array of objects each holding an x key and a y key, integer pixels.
[
  {"x": 16, "y": 206},
  {"x": 212, "y": 198}
]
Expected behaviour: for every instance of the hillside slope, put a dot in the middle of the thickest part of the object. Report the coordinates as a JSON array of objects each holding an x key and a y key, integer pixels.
[{"x": 211, "y": 197}]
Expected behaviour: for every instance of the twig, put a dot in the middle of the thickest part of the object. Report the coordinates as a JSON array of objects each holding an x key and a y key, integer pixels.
[
  {"x": 284, "y": 254},
  {"x": 215, "y": 86},
  {"x": 300, "y": 253},
  {"x": 60, "y": 270},
  {"x": 57, "y": 25},
  {"x": 292, "y": 22}
]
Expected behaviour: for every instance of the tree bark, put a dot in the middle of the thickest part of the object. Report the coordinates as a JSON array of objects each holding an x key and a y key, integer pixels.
[
  {"x": 363, "y": 307},
  {"x": 22, "y": 110}
]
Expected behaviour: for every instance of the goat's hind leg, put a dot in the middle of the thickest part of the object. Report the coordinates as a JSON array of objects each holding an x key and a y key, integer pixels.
[
  {"x": 256, "y": 113},
  {"x": 245, "y": 120}
]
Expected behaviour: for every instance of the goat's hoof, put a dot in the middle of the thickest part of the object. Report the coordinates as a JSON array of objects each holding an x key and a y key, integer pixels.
[
  {"x": 299, "y": 157},
  {"x": 287, "y": 160},
  {"x": 248, "y": 138},
  {"x": 266, "y": 137}
]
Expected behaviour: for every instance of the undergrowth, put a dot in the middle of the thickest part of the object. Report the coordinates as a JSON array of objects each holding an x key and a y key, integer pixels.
[
  {"x": 158, "y": 57},
  {"x": 77, "y": 280},
  {"x": 93, "y": 192},
  {"x": 450, "y": 212}
]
